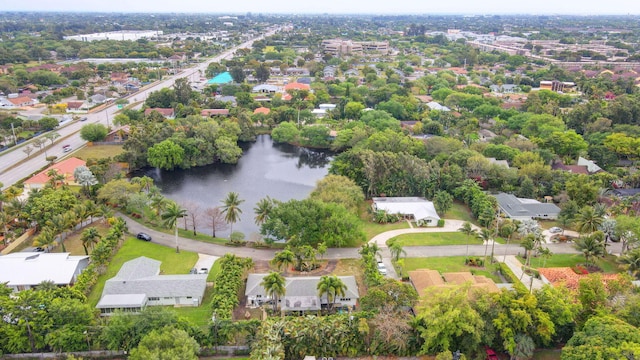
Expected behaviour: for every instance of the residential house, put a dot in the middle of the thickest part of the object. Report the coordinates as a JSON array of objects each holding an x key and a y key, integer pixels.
[
  {"x": 214, "y": 112},
  {"x": 139, "y": 284},
  {"x": 575, "y": 169},
  {"x": 22, "y": 101},
  {"x": 167, "y": 113},
  {"x": 5, "y": 103},
  {"x": 65, "y": 167},
  {"x": 625, "y": 192},
  {"x": 525, "y": 209},
  {"x": 97, "y": 99},
  {"x": 329, "y": 72},
  {"x": 118, "y": 135},
  {"x": 504, "y": 89},
  {"x": 486, "y": 135},
  {"x": 297, "y": 86},
  {"x": 592, "y": 167},
  {"x": 76, "y": 107},
  {"x": 262, "y": 110},
  {"x": 301, "y": 293},
  {"x": 494, "y": 161},
  {"x": 421, "y": 210},
  {"x": 436, "y": 106},
  {"x": 265, "y": 88},
  {"x": 26, "y": 270},
  {"x": 227, "y": 98}
]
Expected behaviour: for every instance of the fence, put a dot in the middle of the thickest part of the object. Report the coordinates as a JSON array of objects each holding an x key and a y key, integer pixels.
[
  {"x": 84, "y": 354},
  {"x": 17, "y": 242}
]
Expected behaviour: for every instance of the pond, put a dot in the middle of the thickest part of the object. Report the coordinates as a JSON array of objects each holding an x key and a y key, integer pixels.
[{"x": 281, "y": 171}]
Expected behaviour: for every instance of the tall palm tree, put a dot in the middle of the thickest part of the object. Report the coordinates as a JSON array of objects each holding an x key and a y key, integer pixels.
[
  {"x": 172, "y": 213},
  {"x": 273, "y": 285},
  {"x": 396, "y": 250},
  {"x": 283, "y": 259},
  {"x": 159, "y": 204},
  {"x": 507, "y": 230},
  {"x": 590, "y": 247},
  {"x": 588, "y": 221},
  {"x": 528, "y": 243},
  {"x": 631, "y": 262},
  {"x": 468, "y": 230},
  {"x": 545, "y": 254},
  {"x": 486, "y": 236},
  {"x": 145, "y": 182},
  {"x": 89, "y": 237},
  {"x": 332, "y": 287},
  {"x": 231, "y": 209},
  {"x": 263, "y": 209}
]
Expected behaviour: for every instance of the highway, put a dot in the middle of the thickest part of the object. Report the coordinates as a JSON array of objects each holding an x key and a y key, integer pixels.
[{"x": 14, "y": 164}]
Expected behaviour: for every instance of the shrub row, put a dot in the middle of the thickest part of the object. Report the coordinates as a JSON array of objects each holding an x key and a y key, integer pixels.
[{"x": 227, "y": 284}]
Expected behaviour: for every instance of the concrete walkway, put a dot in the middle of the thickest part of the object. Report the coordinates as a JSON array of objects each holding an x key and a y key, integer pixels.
[{"x": 516, "y": 267}]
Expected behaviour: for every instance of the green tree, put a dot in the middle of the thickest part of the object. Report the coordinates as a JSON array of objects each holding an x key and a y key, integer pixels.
[
  {"x": 89, "y": 237},
  {"x": 332, "y": 287},
  {"x": 603, "y": 337},
  {"x": 46, "y": 238},
  {"x": 273, "y": 285},
  {"x": 167, "y": 344},
  {"x": 339, "y": 190},
  {"x": 171, "y": 214},
  {"x": 283, "y": 259},
  {"x": 468, "y": 230},
  {"x": 231, "y": 208},
  {"x": 630, "y": 262},
  {"x": 263, "y": 209},
  {"x": 447, "y": 320},
  {"x": 396, "y": 250},
  {"x": 93, "y": 132},
  {"x": 587, "y": 221},
  {"x": 165, "y": 155},
  {"x": 442, "y": 201}
]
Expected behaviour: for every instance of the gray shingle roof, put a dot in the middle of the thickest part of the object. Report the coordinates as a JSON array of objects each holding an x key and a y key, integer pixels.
[
  {"x": 299, "y": 286},
  {"x": 141, "y": 276},
  {"x": 515, "y": 207}
]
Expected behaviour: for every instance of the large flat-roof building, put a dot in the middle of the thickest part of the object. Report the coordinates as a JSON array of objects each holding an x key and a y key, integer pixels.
[
  {"x": 123, "y": 35},
  {"x": 338, "y": 47}
]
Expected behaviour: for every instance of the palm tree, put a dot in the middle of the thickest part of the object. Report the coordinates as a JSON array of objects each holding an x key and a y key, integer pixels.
[
  {"x": 46, "y": 238},
  {"x": 396, "y": 250},
  {"x": 55, "y": 178},
  {"x": 631, "y": 262},
  {"x": 528, "y": 243},
  {"x": 273, "y": 285},
  {"x": 145, "y": 182},
  {"x": 528, "y": 226},
  {"x": 372, "y": 249},
  {"x": 588, "y": 221},
  {"x": 283, "y": 259},
  {"x": 508, "y": 230},
  {"x": 89, "y": 237},
  {"x": 172, "y": 213},
  {"x": 263, "y": 209},
  {"x": 590, "y": 246},
  {"x": 159, "y": 203},
  {"x": 485, "y": 236},
  {"x": 231, "y": 209},
  {"x": 545, "y": 254},
  {"x": 468, "y": 230},
  {"x": 332, "y": 287},
  {"x": 524, "y": 347}
]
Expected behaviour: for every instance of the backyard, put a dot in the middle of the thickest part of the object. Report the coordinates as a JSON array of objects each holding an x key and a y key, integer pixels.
[
  {"x": 98, "y": 152},
  {"x": 607, "y": 264}
]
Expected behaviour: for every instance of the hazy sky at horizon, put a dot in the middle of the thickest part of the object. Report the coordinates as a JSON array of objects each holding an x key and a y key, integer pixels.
[{"x": 578, "y": 7}]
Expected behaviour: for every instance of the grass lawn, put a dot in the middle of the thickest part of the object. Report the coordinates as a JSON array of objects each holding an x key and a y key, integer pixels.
[
  {"x": 72, "y": 242},
  {"x": 98, "y": 152},
  {"x": 198, "y": 316},
  {"x": 372, "y": 229},
  {"x": 172, "y": 262},
  {"x": 353, "y": 267},
  {"x": 607, "y": 264},
  {"x": 460, "y": 211},
  {"x": 434, "y": 239},
  {"x": 448, "y": 264}
]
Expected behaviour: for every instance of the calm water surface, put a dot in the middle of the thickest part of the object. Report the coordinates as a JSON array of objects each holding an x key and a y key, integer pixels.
[{"x": 281, "y": 171}]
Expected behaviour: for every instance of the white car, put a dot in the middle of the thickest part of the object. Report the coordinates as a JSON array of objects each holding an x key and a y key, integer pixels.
[
  {"x": 381, "y": 268},
  {"x": 555, "y": 230}
]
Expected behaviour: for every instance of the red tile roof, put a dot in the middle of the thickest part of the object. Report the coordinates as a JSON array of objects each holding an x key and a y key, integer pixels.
[
  {"x": 164, "y": 111},
  {"x": 65, "y": 167},
  {"x": 20, "y": 100},
  {"x": 296, "y": 86},
  {"x": 74, "y": 104},
  {"x": 262, "y": 110},
  {"x": 568, "y": 277}
]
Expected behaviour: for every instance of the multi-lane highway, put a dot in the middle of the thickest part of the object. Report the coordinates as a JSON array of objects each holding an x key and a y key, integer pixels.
[{"x": 14, "y": 165}]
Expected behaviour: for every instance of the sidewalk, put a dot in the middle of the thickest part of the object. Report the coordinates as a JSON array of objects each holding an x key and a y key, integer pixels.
[{"x": 516, "y": 267}]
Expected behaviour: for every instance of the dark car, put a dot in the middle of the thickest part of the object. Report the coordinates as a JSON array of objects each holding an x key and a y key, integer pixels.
[
  {"x": 38, "y": 249},
  {"x": 144, "y": 236}
]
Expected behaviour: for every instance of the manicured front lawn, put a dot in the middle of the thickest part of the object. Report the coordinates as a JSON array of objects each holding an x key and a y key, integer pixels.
[
  {"x": 607, "y": 264},
  {"x": 448, "y": 264},
  {"x": 435, "y": 239},
  {"x": 372, "y": 229},
  {"x": 98, "y": 152},
  {"x": 172, "y": 262}
]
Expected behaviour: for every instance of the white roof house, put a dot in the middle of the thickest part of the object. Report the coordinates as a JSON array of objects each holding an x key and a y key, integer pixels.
[
  {"x": 422, "y": 210},
  {"x": 301, "y": 293},
  {"x": 139, "y": 283},
  {"x": 436, "y": 106},
  {"x": 591, "y": 166},
  {"x": 25, "y": 270}
]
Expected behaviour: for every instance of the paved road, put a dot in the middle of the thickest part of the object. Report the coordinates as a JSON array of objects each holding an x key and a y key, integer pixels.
[
  {"x": 347, "y": 253},
  {"x": 21, "y": 167}
]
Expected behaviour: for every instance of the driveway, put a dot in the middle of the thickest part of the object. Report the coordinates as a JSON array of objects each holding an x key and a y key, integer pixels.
[{"x": 449, "y": 226}]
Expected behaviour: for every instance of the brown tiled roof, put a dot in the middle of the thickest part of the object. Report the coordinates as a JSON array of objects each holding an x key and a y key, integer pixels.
[
  {"x": 568, "y": 277},
  {"x": 262, "y": 110},
  {"x": 425, "y": 278},
  {"x": 209, "y": 112}
]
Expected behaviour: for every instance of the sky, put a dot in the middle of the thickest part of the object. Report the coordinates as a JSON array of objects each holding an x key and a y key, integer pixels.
[{"x": 477, "y": 7}]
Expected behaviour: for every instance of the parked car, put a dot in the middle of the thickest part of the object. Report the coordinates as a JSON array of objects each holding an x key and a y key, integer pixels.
[
  {"x": 144, "y": 236},
  {"x": 381, "y": 268},
  {"x": 38, "y": 249},
  {"x": 193, "y": 271},
  {"x": 84, "y": 118},
  {"x": 555, "y": 230},
  {"x": 203, "y": 271}
]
